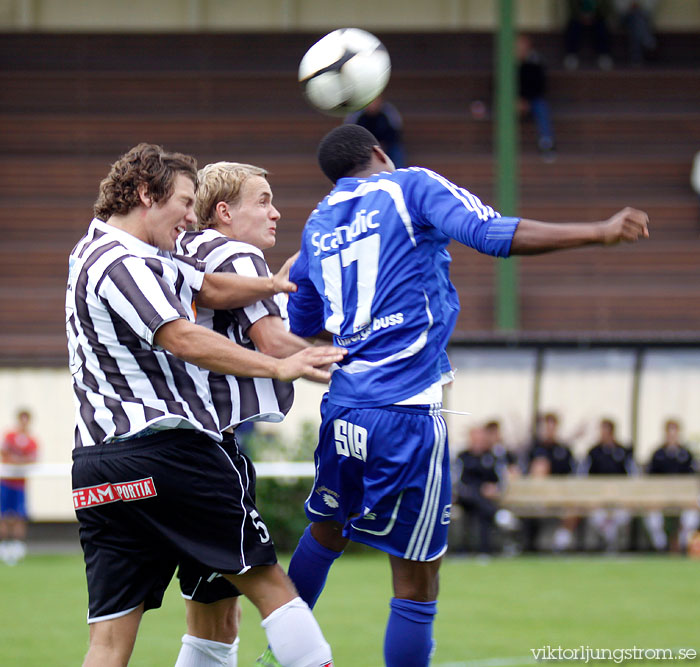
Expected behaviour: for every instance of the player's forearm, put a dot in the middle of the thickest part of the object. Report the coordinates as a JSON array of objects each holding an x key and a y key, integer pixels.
[
  {"x": 210, "y": 350},
  {"x": 532, "y": 237},
  {"x": 221, "y": 291},
  {"x": 283, "y": 345}
]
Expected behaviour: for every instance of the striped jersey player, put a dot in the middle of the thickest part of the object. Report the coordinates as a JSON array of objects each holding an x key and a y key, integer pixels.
[
  {"x": 239, "y": 399},
  {"x": 155, "y": 484}
]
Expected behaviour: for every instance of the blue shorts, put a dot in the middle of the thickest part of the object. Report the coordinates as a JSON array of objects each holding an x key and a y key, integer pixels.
[
  {"x": 385, "y": 474},
  {"x": 12, "y": 501}
]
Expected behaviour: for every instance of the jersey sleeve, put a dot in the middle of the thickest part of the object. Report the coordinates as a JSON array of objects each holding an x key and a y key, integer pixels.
[
  {"x": 305, "y": 307},
  {"x": 249, "y": 263},
  {"x": 142, "y": 295},
  {"x": 192, "y": 271},
  {"x": 460, "y": 215}
]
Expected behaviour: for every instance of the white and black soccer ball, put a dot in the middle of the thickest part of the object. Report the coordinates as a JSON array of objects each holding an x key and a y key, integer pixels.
[{"x": 344, "y": 71}]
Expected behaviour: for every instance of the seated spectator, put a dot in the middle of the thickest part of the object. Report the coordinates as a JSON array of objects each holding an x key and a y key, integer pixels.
[
  {"x": 635, "y": 17},
  {"x": 695, "y": 174},
  {"x": 548, "y": 456},
  {"x": 609, "y": 457},
  {"x": 672, "y": 458},
  {"x": 481, "y": 473},
  {"x": 532, "y": 90},
  {"x": 384, "y": 121},
  {"x": 588, "y": 18},
  {"x": 492, "y": 430}
]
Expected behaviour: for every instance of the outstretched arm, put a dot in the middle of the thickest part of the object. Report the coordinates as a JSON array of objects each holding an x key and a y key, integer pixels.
[
  {"x": 533, "y": 237},
  {"x": 224, "y": 290},
  {"x": 270, "y": 337},
  {"x": 210, "y": 350}
]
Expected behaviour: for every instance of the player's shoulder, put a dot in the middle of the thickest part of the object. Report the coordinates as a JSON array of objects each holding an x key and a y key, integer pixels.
[
  {"x": 213, "y": 247},
  {"x": 200, "y": 243}
]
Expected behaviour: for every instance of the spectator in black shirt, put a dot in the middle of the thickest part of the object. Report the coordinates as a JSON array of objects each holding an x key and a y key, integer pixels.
[
  {"x": 481, "y": 473},
  {"x": 609, "y": 457},
  {"x": 384, "y": 121},
  {"x": 532, "y": 91},
  {"x": 548, "y": 456},
  {"x": 672, "y": 458}
]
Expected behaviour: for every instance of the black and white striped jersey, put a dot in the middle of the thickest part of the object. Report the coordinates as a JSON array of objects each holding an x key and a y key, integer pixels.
[
  {"x": 239, "y": 399},
  {"x": 120, "y": 291}
]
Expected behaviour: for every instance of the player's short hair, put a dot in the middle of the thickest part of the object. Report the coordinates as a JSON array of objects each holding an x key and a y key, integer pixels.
[
  {"x": 609, "y": 424},
  {"x": 345, "y": 151},
  {"x": 145, "y": 164},
  {"x": 672, "y": 423},
  {"x": 220, "y": 181}
]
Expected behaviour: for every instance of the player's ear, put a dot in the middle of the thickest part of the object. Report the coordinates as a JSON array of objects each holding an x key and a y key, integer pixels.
[
  {"x": 223, "y": 212},
  {"x": 144, "y": 195},
  {"x": 382, "y": 158}
]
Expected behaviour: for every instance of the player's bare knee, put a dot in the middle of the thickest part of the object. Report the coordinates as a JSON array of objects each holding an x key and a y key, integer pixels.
[
  {"x": 415, "y": 580},
  {"x": 267, "y": 587},
  {"x": 329, "y": 534},
  {"x": 217, "y": 621}
]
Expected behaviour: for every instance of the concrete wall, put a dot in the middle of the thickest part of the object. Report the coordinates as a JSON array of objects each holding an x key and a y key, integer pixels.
[
  {"x": 581, "y": 386},
  {"x": 300, "y": 15}
]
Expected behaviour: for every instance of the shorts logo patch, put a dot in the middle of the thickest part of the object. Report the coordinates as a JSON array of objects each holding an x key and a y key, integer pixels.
[
  {"x": 101, "y": 494},
  {"x": 446, "y": 511},
  {"x": 328, "y": 496}
]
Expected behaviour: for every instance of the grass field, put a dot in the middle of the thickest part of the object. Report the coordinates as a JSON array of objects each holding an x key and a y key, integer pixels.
[{"x": 490, "y": 614}]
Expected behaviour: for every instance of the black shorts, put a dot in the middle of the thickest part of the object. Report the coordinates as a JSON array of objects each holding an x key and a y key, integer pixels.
[{"x": 149, "y": 505}]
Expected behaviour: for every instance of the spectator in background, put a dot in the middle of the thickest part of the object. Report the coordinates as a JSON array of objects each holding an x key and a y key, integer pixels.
[
  {"x": 492, "y": 430},
  {"x": 384, "y": 121},
  {"x": 589, "y": 18},
  {"x": 532, "y": 89},
  {"x": 481, "y": 474},
  {"x": 635, "y": 17},
  {"x": 609, "y": 457},
  {"x": 672, "y": 458},
  {"x": 19, "y": 448},
  {"x": 695, "y": 174},
  {"x": 548, "y": 456}
]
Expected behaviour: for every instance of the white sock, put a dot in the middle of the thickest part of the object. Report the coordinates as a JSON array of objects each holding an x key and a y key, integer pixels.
[
  {"x": 198, "y": 652},
  {"x": 654, "y": 522},
  {"x": 19, "y": 549},
  {"x": 295, "y": 638},
  {"x": 562, "y": 539}
]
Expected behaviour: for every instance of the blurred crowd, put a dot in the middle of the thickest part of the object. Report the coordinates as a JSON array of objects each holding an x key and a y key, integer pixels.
[{"x": 486, "y": 464}]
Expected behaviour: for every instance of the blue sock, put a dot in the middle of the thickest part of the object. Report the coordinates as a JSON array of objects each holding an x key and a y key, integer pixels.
[
  {"x": 409, "y": 634},
  {"x": 309, "y": 567}
]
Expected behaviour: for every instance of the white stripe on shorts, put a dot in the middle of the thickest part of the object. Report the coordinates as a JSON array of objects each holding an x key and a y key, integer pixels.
[
  {"x": 245, "y": 567},
  {"x": 423, "y": 531}
]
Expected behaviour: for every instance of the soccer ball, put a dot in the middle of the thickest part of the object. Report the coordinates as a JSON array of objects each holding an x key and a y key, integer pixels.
[{"x": 344, "y": 71}]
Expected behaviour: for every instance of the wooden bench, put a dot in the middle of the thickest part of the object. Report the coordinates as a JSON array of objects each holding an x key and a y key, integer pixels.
[{"x": 558, "y": 496}]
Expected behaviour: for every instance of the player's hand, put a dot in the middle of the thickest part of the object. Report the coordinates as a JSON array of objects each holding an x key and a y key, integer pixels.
[
  {"x": 311, "y": 363},
  {"x": 280, "y": 281},
  {"x": 628, "y": 225}
]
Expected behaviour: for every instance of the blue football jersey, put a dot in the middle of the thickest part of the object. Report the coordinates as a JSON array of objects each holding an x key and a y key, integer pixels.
[{"x": 374, "y": 271}]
